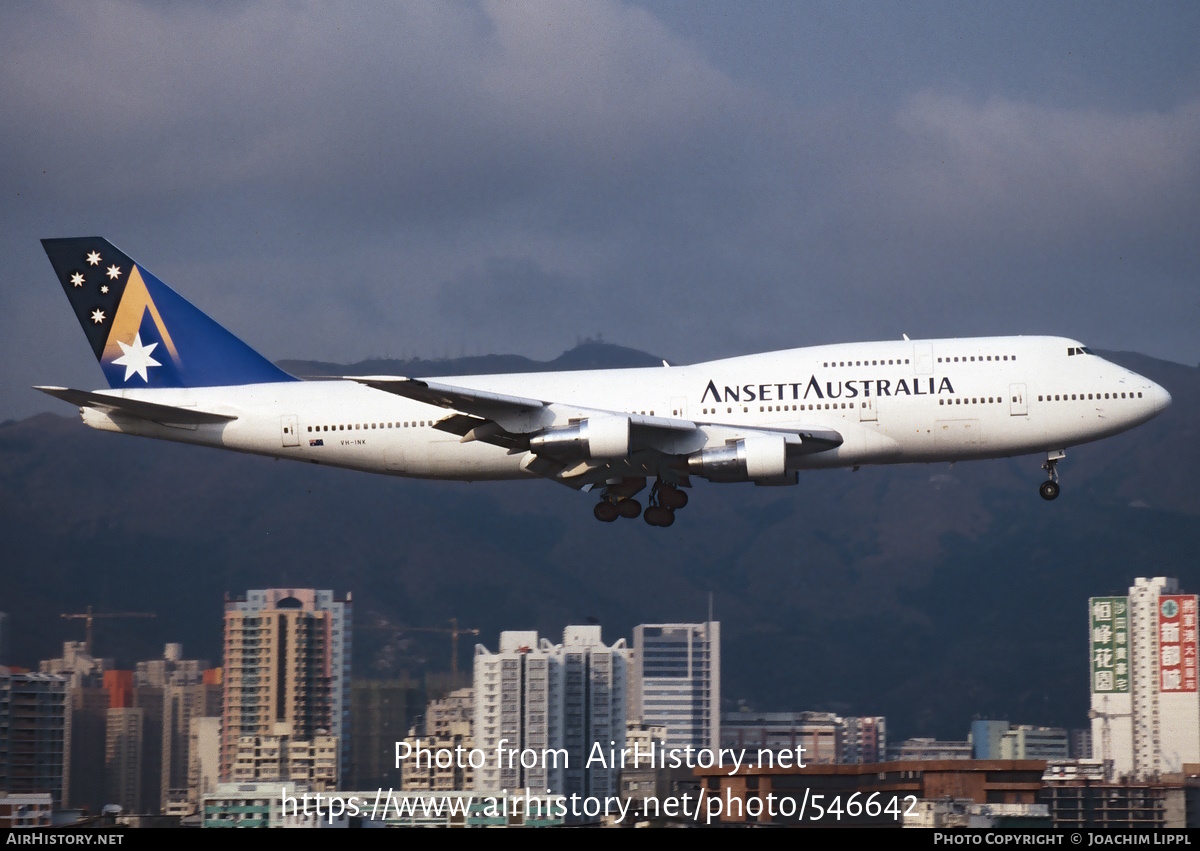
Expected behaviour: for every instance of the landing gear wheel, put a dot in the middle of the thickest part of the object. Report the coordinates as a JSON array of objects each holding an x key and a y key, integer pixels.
[
  {"x": 656, "y": 515},
  {"x": 605, "y": 512},
  {"x": 672, "y": 498},
  {"x": 1049, "y": 489},
  {"x": 629, "y": 508}
]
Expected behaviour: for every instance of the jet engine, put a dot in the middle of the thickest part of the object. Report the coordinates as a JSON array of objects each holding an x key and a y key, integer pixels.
[
  {"x": 594, "y": 437},
  {"x": 755, "y": 457}
]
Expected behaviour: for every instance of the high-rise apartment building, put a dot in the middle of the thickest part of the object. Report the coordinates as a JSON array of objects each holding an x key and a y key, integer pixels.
[
  {"x": 183, "y": 701},
  {"x": 287, "y": 670},
  {"x": 204, "y": 758},
  {"x": 35, "y": 734},
  {"x": 676, "y": 681},
  {"x": 1145, "y": 700},
  {"x": 381, "y": 713},
  {"x": 550, "y": 703},
  {"x": 447, "y": 728},
  {"x": 124, "y": 761},
  {"x": 88, "y": 701}
]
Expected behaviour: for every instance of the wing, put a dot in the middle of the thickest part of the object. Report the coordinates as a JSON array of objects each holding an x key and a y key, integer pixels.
[
  {"x": 152, "y": 411},
  {"x": 581, "y": 446},
  {"x": 513, "y": 413}
]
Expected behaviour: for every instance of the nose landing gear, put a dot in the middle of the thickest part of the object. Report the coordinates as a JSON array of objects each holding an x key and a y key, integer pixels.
[{"x": 1049, "y": 489}]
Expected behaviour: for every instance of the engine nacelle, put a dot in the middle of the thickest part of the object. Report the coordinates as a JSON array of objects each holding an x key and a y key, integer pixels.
[
  {"x": 595, "y": 437},
  {"x": 756, "y": 457}
]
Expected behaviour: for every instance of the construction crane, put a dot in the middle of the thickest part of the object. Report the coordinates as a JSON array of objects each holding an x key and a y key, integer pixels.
[
  {"x": 1106, "y": 736},
  {"x": 89, "y": 615},
  {"x": 453, "y": 631}
]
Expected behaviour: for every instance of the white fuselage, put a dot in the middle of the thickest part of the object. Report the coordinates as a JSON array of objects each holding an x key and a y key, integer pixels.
[{"x": 892, "y": 402}]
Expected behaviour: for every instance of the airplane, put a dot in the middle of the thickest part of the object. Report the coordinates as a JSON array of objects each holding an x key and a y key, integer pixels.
[{"x": 175, "y": 374}]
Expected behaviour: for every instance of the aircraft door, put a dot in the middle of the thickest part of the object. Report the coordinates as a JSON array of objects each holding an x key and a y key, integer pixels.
[
  {"x": 289, "y": 430},
  {"x": 867, "y": 412},
  {"x": 1018, "y": 404},
  {"x": 679, "y": 407},
  {"x": 923, "y": 358}
]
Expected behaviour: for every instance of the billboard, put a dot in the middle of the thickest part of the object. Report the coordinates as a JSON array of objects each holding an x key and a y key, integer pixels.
[
  {"x": 1109, "y": 641},
  {"x": 1177, "y": 643}
]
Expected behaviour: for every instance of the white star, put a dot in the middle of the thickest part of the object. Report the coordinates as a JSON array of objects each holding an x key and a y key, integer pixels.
[
  {"x": 77, "y": 279},
  {"x": 104, "y": 290},
  {"x": 114, "y": 272},
  {"x": 136, "y": 358},
  {"x": 93, "y": 259},
  {"x": 97, "y": 316}
]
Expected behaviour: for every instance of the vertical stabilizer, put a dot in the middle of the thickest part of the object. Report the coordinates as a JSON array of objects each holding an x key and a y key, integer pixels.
[{"x": 144, "y": 333}]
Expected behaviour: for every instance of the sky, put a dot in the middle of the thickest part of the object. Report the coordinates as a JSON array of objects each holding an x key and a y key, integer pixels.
[{"x": 341, "y": 181}]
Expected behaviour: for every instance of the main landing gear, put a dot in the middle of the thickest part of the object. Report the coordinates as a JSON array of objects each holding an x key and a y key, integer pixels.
[
  {"x": 617, "y": 501},
  {"x": 1049, "y": 489},
  {"x": 665, "y": 498}
]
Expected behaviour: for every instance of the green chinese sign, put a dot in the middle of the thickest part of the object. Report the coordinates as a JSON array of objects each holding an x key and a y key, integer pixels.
[{"x": 1109, "y": 643}]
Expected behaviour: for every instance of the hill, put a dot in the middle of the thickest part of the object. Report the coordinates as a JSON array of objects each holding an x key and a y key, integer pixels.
[{"x": 926, "y": 593}]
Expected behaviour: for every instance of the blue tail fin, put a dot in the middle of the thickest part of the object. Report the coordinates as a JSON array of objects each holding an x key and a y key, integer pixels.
[{"x": 143, "y": 333}]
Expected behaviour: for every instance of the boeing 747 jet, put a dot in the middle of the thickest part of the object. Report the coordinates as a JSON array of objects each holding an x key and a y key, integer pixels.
[{"x": 175, "y": 374}]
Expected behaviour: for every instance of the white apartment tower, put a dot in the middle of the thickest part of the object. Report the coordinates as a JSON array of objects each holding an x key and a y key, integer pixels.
[
  {"x": 1145, "y": 703},
  {"x": 551, "y": 703},
  {"x": 676, "y": 681}
]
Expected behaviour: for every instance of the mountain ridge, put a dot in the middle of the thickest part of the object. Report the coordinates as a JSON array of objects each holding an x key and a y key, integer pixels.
[{"x": 927, "y": 593}]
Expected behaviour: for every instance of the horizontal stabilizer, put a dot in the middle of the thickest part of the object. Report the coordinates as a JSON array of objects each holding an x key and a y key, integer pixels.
[{"x": 152, "y": 411}]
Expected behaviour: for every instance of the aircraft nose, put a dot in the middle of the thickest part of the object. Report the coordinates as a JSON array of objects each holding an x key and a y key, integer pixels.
[{"x": 1159, "y": 397}]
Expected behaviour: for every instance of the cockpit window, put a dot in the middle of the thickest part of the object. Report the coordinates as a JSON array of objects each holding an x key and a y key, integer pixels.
[{"x": 1080, "y": 350}]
